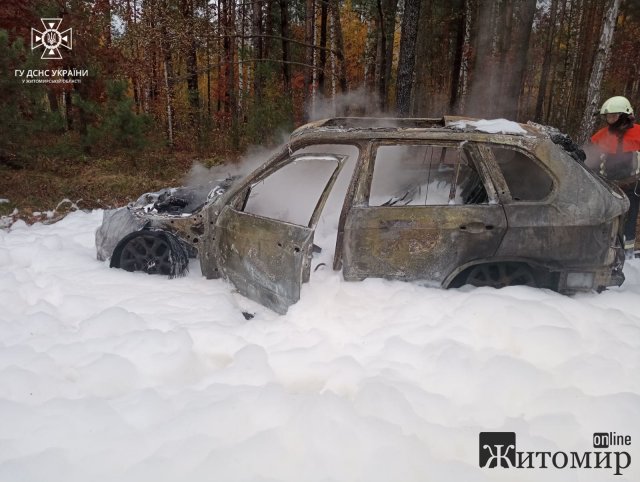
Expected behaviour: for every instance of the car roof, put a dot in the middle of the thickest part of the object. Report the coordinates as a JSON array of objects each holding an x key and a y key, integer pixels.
[{"x": 360, "y": 127}]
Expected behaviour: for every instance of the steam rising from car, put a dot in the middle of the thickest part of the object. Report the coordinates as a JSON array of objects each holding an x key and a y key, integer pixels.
[
  {"x": 356, "y": 103},
  {"x": 289, "y": 194},
  {"x": 200, "y": 175}
]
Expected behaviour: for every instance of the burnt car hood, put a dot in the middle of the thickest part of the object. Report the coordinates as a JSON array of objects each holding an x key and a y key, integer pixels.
[{"x": 153, "y": 208}]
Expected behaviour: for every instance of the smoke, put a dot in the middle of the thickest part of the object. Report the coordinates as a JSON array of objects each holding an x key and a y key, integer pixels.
[
  {"x": 593, "y": 155},
  {"x": 200, "y": 175},
  {"x": 357, "y": 103},
  {"x": 292, "y": 192}
]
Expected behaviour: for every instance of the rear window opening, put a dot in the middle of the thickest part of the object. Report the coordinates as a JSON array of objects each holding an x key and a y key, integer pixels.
[{"x": 526, "y": 180}]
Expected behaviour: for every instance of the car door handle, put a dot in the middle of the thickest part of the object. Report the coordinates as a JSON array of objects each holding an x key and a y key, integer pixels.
[{"x": 476, "y": 227}]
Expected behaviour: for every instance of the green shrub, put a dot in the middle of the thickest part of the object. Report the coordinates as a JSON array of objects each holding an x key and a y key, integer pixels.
[
  {"x": 114, "y": 126},
  {"x": 24, "y": 115}
]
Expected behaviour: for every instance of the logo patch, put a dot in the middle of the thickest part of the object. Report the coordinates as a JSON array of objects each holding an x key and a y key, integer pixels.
[
  {"x": 497, "y": 449},
  {"x": 51, "y": 38}
]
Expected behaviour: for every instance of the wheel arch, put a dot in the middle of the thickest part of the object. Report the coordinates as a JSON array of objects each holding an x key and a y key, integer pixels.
[{"x": 541, "y": 272}]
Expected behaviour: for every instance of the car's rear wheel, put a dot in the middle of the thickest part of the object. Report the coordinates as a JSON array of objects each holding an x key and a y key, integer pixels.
[
  {"x": 153, "y": 252},
  {"x": 499, "y": 275}
]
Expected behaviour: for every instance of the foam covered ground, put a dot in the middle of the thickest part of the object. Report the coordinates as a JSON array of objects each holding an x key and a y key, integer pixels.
[{"x": 113, "y": 376}]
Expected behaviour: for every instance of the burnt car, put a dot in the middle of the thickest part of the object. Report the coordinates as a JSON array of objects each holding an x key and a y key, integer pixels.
[{"x": 444, "y": 202}]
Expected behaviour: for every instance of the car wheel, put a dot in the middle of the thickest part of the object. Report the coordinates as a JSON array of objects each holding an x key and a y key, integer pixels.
[
  {"x": 154, "y": 252},
  {"x": 499, "y": 275}
]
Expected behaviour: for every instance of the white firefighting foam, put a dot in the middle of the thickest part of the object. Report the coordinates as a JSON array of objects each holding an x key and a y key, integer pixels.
[{"x": 107, "y": 375}]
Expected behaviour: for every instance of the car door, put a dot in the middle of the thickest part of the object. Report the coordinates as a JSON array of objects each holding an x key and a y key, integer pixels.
[
  {"x": 265, "y": 233},
  {"x": 423, "y": 210}
]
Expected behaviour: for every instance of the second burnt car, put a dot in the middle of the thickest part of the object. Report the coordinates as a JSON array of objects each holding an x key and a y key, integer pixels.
[{"x": 446, "y": 202}]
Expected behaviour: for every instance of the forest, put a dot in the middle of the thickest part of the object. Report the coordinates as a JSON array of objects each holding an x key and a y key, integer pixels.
[{"x": 170, "y": 81}]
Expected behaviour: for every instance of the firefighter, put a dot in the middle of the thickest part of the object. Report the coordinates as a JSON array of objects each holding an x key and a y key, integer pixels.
[{"x": 619, "y": 144}]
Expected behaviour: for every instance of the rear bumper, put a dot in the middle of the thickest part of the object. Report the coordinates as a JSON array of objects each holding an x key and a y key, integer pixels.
[
  {"x": 613, "y": 276},
  {"x": 595, "y": 278},
  {"x": 617, "y": 276}
]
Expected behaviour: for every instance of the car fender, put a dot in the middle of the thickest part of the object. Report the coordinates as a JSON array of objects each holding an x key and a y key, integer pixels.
[
  {"x": 493, "y": 260},
  {"x": 116, "y": 224}
]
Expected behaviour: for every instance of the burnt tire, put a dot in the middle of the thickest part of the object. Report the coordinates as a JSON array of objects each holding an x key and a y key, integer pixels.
[
  {"x": 499, "y": 275},
  {"x": 153, "y": 252}
]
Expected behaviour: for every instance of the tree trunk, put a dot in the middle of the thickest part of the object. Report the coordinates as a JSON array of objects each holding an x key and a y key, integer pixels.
[
  {"x": 323, "y": 48},
  {"x": 192, "y": 64},
  {"x": 268, "y": 27},
  {"x": 578, "y": 47},
  {"x": 258, "y": 50},
  {"x": 485, "y": 88},
  {"x": 562, "y": 99},
  {"x": 208, "y": 50},
  {"x": 460, "y": 74},
  {"x": 53, "y": 100},
  {"x": 546, "y": 64},
  {"x": 553, "y": 86},
  {"x": 370, "y": 54},
  {"x": 381, "y": 66},
  {"x": 406, "y": 62},
  {"x": 465, "y": 60},
  {"x": 103, "y": 10},
  {"x": 68, "y": 109},
  {"x": 219, "y": 45},
  {"x": 342, "y": 70},
  {"x": 284, "y": 32},
  {"x": 503, "y": 32},
  {"x": 168, "y": 72},
  {"x": 591, "y": 22},
  {"x": 310, "y": 41},
  {"x": 386, "y": 20},
  {"x": 519, "y": 47},
  {"x": 597, "y": 71},
  {"x": 229, "y": 61},
  {"x": 243, "y": 78},
  {"x": 389, "y": 29}
]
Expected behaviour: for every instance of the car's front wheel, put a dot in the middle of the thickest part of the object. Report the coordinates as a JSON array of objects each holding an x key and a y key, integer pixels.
[{"x": 154, "y": 252}]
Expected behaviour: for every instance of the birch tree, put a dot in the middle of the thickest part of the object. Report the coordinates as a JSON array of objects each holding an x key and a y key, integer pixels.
[
  {"x": 167, "y": 70},
  {"x": 597, "y": 71}
]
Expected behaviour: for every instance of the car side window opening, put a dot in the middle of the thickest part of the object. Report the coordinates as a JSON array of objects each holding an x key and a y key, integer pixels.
[
  {"x": 292, "y": 192},
  {"x": 526, "y": 180},
  {"x": 328, "y": 223},
  {"x": 424, "y": 175}
]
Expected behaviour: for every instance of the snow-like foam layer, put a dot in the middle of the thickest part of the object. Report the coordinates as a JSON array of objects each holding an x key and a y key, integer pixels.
[
  {"x": 492, "y": 126},
  {"x": 113, "y": 376}
]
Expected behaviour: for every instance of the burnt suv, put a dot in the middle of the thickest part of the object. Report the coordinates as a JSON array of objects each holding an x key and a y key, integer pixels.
[{"x": 445, "y": 202}]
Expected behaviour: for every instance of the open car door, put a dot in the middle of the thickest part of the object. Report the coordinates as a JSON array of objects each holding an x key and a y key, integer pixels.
[{"x": 265, "y": 233}]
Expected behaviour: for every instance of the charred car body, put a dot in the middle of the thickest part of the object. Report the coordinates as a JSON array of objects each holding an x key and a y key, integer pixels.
[{"x": 430, "y": 200}]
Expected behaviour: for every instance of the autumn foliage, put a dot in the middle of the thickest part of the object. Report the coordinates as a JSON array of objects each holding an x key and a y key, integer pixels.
[{"x": 215, "y": 76}]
